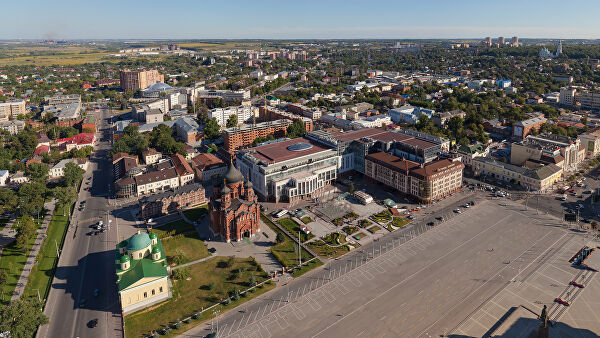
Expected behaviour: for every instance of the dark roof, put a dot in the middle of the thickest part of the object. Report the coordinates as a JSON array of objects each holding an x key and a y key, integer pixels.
[
  {"x": 125, "y": 181},
  {"x": 172, "y": 192},
  {"x": 233, "y": 175},
  {"x": 435, "y": 167},
  {"x": 155, "y": 176},
  {"x": 181, "y": 165},
  {"x": 116, "y": 157},
  {"x": 278, "y": 152},
  {"x": 393, "y": 162},
  {"x": 207, "y": 160}
]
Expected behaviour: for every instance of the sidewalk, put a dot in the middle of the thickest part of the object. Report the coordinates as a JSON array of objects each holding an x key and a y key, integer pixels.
[
  {"x": 7, "y": 235},
  {"x": 31, "y": 259}
]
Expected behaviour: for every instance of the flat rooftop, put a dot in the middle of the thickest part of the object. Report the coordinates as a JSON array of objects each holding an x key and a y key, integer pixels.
[{"x": 279, "y": 152}]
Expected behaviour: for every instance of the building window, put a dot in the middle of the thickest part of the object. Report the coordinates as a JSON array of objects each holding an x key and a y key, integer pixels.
[
  {"x": 153, "y": 292},
  {"x": 140, "y": 255},
  {"x": 145, "y": 294},
  {"x": 160, "y": 289}
]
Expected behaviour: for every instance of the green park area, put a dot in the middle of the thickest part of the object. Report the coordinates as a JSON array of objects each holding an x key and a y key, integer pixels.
[
  {"x": 174, "y": 228},
  {"x": 399, "y": 222},
  {"x": 196, "y": 213},
  {"x": 286, "y": 249},
  {"x": 294, "y": 228},
  {"x": 184, "y": 248},
  {"x": 12, "y": 262},
  {"x": 306, "y": 219},
  {"x": 322, "y": 249},
  {"x": 42, "y": 273},
  {"x": 382, "y": 217},
  {"x": 350, "y": 229},
  {"x": 374, "y": 229},
  {"x": 217, "y": 280}
]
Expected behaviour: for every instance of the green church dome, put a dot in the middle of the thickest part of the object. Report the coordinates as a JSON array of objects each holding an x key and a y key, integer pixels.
[
  {"x": 125, "y": 259},
  {"x": 139, "y": 241}
]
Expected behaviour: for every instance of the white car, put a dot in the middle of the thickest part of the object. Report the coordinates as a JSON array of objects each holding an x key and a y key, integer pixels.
[
  {"x": 457, "y": 211},
  {"x": 467, "y": 206}
]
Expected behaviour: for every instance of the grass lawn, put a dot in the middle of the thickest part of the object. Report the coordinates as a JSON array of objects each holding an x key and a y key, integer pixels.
[
  {"x": 365, "y": 223},
  {"x": 335, "y": 238},
  {"x": 193, "y": 295},
  {"x": 188, "y": 244},
  {"x": 399, "y": 222},
  {"x": 43, "y": 271},
  {"x": 325, "y": 250},
  {"x": 293, "y": 227},
  {"x": 374, "y": 229},
  {"x": 173, "y": 228},
  {"x": 358, "y": 236},
  {"x": 350, "y": 229},
  {"x": 196, "y": 213},
  {"x": 13, "y": 261},
  {"x": 285, "y": 252},
  {"x": 306, "y": 220},
  {"x": 306, "y": 268},
  {"x": 383, "y": 216}
]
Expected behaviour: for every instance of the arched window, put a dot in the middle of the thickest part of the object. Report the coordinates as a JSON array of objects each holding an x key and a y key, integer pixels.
[
  {"x": 153, "y": 292},
  {"x": 160, "y": 289},
  {"x": 145, "y": 294}
]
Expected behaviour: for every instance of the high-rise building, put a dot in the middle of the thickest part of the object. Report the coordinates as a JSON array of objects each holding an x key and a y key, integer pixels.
[
  {"x": 501, "y": 41},
  {"x": 238, "y": 137},
  {"x": 487, "y": 41},
  {"x": 515, "y": 41},
  {"x": 567, "y": 96},
  {"x": 11, "y": 108},
  {"x": 139, "y": 79}
]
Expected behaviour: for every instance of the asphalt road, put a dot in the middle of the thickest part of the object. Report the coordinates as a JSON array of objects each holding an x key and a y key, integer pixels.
[
  {"x": 86, "y": 262},
  {"x": 445, "y": 264}
]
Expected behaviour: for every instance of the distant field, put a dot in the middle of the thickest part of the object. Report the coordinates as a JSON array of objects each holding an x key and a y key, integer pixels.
[
  {"x": 219, "y": 45},
  {"x": 48, "y": 60}
]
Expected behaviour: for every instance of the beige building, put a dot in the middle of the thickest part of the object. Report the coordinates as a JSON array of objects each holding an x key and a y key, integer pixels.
[
  {"x": 142, "y": 275},
  {"x": 591, "y": 142},
  {"x": 550, "y": 149},
  {"x": 425, "y": 182},
  {"x": 136, "y": 80},
  {"x": 151, "y": 156},
  {"x": 13, "y": 127},
  {"x": 540, "y": 178},
  {"x": 11, "y": 109}
]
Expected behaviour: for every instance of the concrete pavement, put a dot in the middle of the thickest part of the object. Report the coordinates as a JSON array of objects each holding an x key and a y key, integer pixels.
[{"x": 86, "y": 262}]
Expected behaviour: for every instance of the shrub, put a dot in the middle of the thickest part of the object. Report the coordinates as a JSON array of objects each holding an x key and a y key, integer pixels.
[
  {"x": 181, "y": 273},
  {"x": 177, "y": 325},
  {"x": 212, "y": 285},
  {"x": 227, "y": 301},
  {"x": 338, "y": 221},
  {"x": 280, "y": 237}
]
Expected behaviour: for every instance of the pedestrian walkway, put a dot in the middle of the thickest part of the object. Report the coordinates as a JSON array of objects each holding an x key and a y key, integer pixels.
[
  {"x": 7, "y": 235},
  {"x": 35, "y": 250}
]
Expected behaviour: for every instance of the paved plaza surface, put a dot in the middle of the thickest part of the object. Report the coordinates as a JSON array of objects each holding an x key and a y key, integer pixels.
[{"x": 426, "y": 285}]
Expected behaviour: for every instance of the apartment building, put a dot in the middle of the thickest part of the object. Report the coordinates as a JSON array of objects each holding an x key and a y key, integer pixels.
[
  {"x": 590, "y": 99},
  {"x": 591, "y": 142},
  {"x": 244, "y": 114},
  {"x": 311, "y": 113},
  {"x": 13, "y": 127},
  {"x": 272, "y": 114},
  {"x": 11, "y": 108},
  {"x": 525, "y": 127},
  {"x": 58, "y": 170},
  {"x": 139, "y": 79},
  {"x": 151, "y": 156},
  {"x": 238, "y": 137},
  {"x": 424, "y": 182}
]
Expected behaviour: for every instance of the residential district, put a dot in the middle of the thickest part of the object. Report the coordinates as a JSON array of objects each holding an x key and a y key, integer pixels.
[{"x": 322, "y": 189}]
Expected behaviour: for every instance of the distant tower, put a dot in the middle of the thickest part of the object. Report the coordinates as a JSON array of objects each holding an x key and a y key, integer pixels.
[
  {"x": 515, "y": 41},
  {"x": 559, "y": 48},
  {"x": 487, "y": 41},
  {"x": 501, "y": 41}
]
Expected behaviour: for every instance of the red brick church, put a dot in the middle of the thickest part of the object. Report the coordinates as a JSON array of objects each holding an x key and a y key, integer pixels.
[{"x": 234, "y": 210}]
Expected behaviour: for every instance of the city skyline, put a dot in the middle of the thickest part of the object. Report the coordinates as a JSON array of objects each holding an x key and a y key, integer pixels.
[{"x": 306, "y": 20}]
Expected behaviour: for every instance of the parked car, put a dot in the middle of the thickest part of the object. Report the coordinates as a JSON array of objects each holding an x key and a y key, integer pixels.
[
  {"x": 93, "y": 323},
  {"x": 561, "y": 301},
  {"x": 457, "y": 211}
]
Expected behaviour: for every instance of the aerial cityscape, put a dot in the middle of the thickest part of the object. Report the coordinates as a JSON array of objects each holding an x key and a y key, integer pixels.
[{"x": 299, "y": 170}]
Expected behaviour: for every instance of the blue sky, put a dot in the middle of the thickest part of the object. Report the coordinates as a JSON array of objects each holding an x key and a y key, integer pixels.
[{"x": 299, "y": 19}]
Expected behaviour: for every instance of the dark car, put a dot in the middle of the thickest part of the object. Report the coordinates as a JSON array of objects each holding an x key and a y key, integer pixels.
[
  {"x": 93, "y": 323},
  {"x": 431, "y": 224}
]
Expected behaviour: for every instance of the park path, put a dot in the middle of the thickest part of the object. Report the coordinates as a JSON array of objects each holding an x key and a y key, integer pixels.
[
  {"x": 35, "y": 250},
  {"x": 7, "y": 235}
]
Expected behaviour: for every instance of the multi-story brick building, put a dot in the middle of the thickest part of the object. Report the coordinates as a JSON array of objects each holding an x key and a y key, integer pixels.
[
  {"x": 524, "y": 128},
  {"x": 424, "y": 182},
  {"x": 208, "y": 167},
  {"x": 238, "y": 137},
  {"x": 172, "y": 200},
  {"x": 140, "y": 79},
  {"x": 272, "y": 114}
]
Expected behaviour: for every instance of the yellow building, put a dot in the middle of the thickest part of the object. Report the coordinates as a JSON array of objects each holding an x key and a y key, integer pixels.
[
  {"x": 142, "y": 276},
  {"x": 540, "y": 178}
]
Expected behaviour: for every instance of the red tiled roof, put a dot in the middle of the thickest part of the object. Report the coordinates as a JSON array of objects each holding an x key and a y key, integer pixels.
[
  {"x": 83, "y": 138},
  {"x": 206, "y": 160},
  {"x": 41, "y": 149},
  {"x": 181, "y": 165}
]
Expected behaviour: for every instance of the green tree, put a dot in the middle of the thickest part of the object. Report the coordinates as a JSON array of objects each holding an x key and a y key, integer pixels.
[
  {"x": 8, "y": 200},
  {"x": 280, "y": 238},
  {"x": 65, "y": 196},
  {"x": 31, "y": 197},
  {"x": 232, "y": 121},
  {"x": 37, "y": 172},
  {"x": 22, "y": 317},
  {"x": 3, "y": 276},
  {"x": 73, "y": 175},
  {"x": 212, "y": 130},
  {"x": 351, "y": 188},
  {"x": 296, "y": 129},
  {"x": 25, "y": 231}
]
